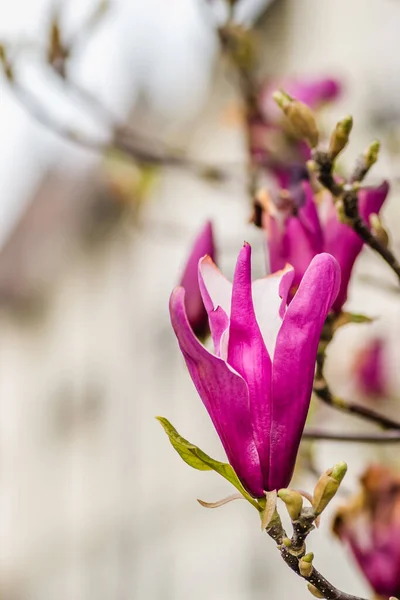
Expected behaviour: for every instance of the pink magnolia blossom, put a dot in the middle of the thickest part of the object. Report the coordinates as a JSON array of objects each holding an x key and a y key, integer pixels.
[
  {"x": 313, "y": 92},
  {"x": 196, "y": 313},
  {"x": 370, "y": 525},
  {"x": 370, "y": 369},
  {"x": 296, "y": 235},
  {"x": 257, "y": 384},
  {"x": 281, "y": 155}
]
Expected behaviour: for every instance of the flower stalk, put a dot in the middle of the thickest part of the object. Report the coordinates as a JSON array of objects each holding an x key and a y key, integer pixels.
[
  {"x": 293, "y": 549},
  {"x": 345, "y": 193}
]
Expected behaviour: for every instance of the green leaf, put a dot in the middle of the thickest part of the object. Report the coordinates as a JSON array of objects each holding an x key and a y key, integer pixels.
[
  {"x": 185, "y": 449},
  {"x": 196, "y": 458},
  {"x": 344, "y": 318}
]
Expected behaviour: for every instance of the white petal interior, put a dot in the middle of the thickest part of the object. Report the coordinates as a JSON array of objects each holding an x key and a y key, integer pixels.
[
  {"x": 218, "y": 287},
  {"x": 266, "y": 299},
  {"x": 223, "y": 346},
  {"x": 267, "y": 303}
]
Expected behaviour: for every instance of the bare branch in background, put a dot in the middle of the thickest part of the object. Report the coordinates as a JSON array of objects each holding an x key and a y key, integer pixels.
[
  {"x": 120, "y": 136},
  {"x": 388, "y": 437}
]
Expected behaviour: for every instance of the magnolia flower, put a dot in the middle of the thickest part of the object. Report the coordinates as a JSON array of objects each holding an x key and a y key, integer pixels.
[
  {"x": 297, "y": 234},
  {"x": 369, "y": 369},
  {"x": 370, "y": 526},
  {"x": 257, "y": 385},
  {"x": 196, "y": 313},
  {"x": 284, "y": 155},
  {"x": 313, "y": 92}
]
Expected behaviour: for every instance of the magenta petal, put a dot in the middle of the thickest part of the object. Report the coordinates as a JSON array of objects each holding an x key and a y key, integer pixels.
[
  {"x": 219, "y": 323},
  {"x": 369, "y": 369},
  {"x": 285, "y": 288},
  {"x": 294, "y": 364},
  {"x": 314, "y": 92},
  {"x": 274, "y": 240},
  {"x": 371, "y": 199},
  {"x": 225, "y": 396},
  {"x": 343, "y": 243},
  {"x": 379, "y": 562},
  {"x": 216, "y": 292},
  {"x": 203, "y": 244},
  {"x": 308, "y": 217},
  {"x": 298, "y": 248},
  {"x": 300, "y": 241},
  {"x": 248, "y": 355}
]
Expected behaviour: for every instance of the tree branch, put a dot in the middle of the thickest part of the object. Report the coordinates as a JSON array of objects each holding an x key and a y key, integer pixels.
[
  {"x": 372, "y": 241},
  {"x": 321, "y": 389},
  {"x": 237, "y": 43},
  {"x": 348, "y": 195},
  {"x": 123, "y": 140},
  {"x": 292, "y": 553},
  {"x": 388, "y": 437}
]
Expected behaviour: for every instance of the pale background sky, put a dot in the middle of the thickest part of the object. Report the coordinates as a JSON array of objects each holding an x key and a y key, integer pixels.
[{"x": 165, "y": 46}]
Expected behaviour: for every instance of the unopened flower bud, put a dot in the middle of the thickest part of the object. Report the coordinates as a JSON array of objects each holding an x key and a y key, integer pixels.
[
  {"x": 312, "y": 166},
  {"x": 300, "y": 115},
  {"x": 287, "y": 542},
  {"x": 327, "y": 486},
  {"x": 305, "y": 564},
  {"x": 293, "y": 501},
  {"x": 313, "y": 590},
  {"x": 371, "y": 154},
  {"x": 340, "y": 136},
  {"x": 339, "y": 471},
  {"x": 378, "y": 230}
]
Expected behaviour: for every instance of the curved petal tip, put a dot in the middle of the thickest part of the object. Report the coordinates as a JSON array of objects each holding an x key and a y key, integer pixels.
[{"x": 330, "y": 266}]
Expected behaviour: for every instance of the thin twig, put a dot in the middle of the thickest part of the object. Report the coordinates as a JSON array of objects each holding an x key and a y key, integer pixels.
[
  {"x": 29, "y": 102},
  {"x": 372, "y": 241},
  {"x": 388, "y": 437},
  {"x": 321, "y": 389},
  {"x": 104, "y": 114},
  {"x": 348, "y": 195},
  {"x": 124, "y": 143},
  {"x": 292, "y": 554},
  {"x": 57, "y": 65},
  {"x": 236, "y": 42}
]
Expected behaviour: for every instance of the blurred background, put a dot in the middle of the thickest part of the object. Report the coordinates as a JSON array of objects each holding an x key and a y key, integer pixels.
[{"x": 94, "y": 503}]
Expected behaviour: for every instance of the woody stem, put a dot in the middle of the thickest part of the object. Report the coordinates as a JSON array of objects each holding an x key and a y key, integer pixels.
[
  {"x": 377, "y": 438},
  {"x": 293, "y": 553},
  {"x": 322, "y": 391},
  {"x": 124, "y": 141},
  {"x": 236, "y": 46},
  {"x": 348, "y": 195},
  {"x": 361, "y": 228}
]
